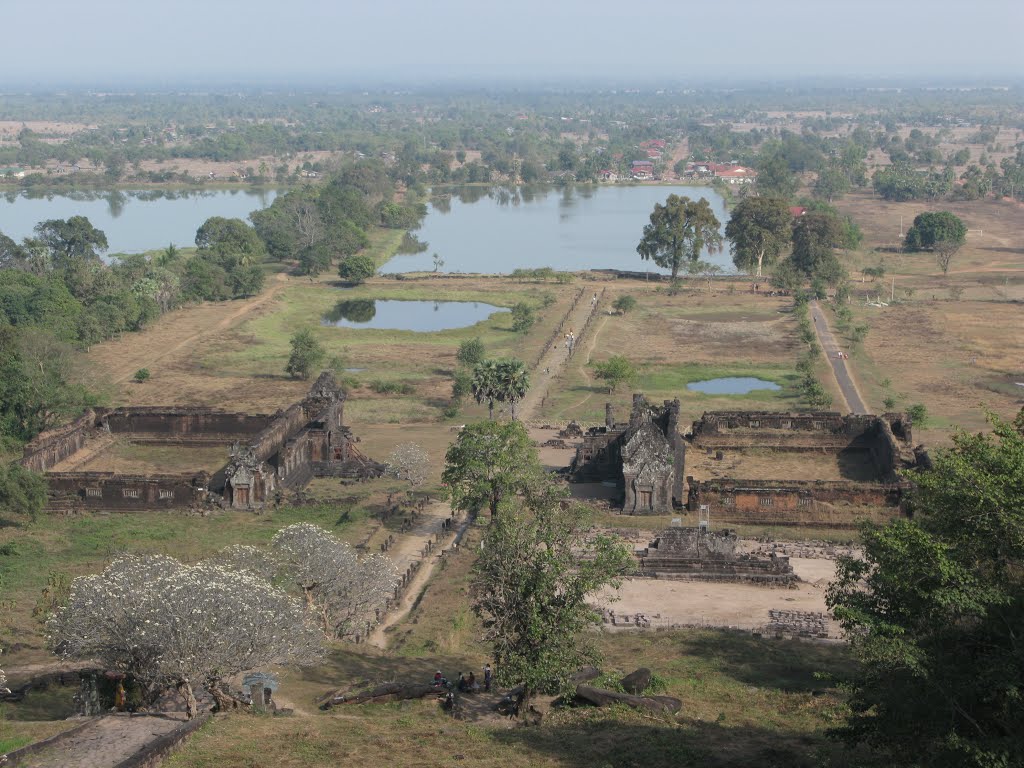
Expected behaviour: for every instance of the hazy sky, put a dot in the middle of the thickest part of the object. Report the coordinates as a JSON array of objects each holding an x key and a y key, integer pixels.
[{"x": 362, "y": 41}]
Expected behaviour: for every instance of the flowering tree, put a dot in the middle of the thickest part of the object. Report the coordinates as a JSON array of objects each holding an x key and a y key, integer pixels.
[
  {"x": 409, "y": 461},
  {"x": 340, "y": 588},
  {"x": 171, "y": 625}
]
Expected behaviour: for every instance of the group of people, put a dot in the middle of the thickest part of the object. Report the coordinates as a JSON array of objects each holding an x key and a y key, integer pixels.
[
  {"x": 466, "y": 684},
  {"x": 570, "y": 340}
]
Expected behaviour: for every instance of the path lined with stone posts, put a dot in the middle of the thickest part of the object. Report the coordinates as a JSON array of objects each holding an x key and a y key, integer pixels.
[
  {"x": 580, "y": 320},
  {"x": 831, "y": 348},
  {"x": 416, "y": 554}
]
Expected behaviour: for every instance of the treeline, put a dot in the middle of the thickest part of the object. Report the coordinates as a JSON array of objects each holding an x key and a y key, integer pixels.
[{"x": 318, "y": 226}]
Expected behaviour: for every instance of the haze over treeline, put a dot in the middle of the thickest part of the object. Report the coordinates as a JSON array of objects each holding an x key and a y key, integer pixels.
[{"x": 66, "y": 43}]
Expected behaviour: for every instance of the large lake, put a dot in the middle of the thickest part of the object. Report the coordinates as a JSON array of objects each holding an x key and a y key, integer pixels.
[
  {"x": 133, "y": 221},
  {"x": 480, "y": 229}
]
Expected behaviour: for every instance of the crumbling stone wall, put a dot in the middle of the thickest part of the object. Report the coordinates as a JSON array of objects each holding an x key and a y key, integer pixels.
[
  {"x": 107, "y": 490},
  {"x": 270, "y": 452},
  {"x": 696, "y": 553},
  {"x": 788, "y": 502},
  {"x": 644, "y": 457},
  {"x": 52, "y": 447}
]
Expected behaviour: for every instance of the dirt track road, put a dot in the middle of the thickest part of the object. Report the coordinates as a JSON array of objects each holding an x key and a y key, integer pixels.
[{"x": 840, "y": 369}]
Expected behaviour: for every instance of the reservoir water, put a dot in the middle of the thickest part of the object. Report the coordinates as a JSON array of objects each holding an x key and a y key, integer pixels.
[
  {"x": 499, "y": 229},
  {"x": 732, "y": 385},
  {"x": 398, "y": 315},
  {"x": 133, "y": 220}
]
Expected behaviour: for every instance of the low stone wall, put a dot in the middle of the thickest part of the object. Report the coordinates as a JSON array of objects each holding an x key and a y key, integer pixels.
[
  {"x": 50, "y": 448},
  {"x": 777, "y": 502},
  {"x": 108, "y": 490},
  {"x": 183, "y": 423},
  {"x": 154, "y": 753}
]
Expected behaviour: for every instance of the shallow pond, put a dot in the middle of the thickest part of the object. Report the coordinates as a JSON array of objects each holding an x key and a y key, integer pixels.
[
  {"x": 732, "y": 385},
  {"x": 133, "y": 220},
  {"x": 499, "y": 229},
  {"x": 398, "y": 315}
]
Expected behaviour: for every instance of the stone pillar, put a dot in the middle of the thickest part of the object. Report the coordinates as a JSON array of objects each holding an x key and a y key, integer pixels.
[{"x": 609, "y": 416}]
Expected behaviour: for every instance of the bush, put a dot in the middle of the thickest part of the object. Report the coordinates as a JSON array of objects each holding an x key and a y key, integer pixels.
[
  {"x": 471, "y": 352},
  {"x": 141, "y": 375},
  {"x": 918, "y": 414},
  {"x": 624, "y": 304},
  {"x": 307, "y": 355},
  {"x": 392, "y": 387},
  {"x": 523, "y": 317},
  {"x": 356, "y": 269}
]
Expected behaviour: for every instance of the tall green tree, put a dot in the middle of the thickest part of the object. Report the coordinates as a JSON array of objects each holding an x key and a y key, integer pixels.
[
  {"x": 775, "y": 178},
  {"x": 471, "y": 351},
  {"x": 512, "y": 381},
  {"x": 489, "y": 464},
  {"x": 759, "y": 230},
  {"x": 70, "y": 240},
  {"x": 935, "y": 227},
  {"x": 231, "y": 238},
  {"x": 679, "y": 231},
  {"x": 485, "y": 384},
  {"x": 538, "y": 566},
  {"x": 616, "y": 370},
  {"x": 934, "y": 611},
  {"x": 356, "y": 269},
  {"x": 306, "y": 356},
  {"x": 815, "y": 238},
  {"x": 832, "y": 183}
]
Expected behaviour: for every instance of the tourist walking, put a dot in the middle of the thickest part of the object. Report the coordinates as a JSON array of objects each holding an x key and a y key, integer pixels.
[{"x": 487, "y": 678}]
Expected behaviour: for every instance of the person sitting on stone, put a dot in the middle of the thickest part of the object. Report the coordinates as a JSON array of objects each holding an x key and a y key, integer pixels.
[{"x": 472, "y": 686}]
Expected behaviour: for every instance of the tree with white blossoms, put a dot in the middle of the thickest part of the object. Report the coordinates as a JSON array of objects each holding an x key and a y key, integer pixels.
[
  {"x": 340, "y": 588},
  {"x": 171, "y": 625},
  {"x": 409, "y": 461}
]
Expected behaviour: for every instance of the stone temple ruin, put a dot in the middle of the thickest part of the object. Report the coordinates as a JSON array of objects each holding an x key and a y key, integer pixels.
[
  {"x": 700, "y": 554},
  {"x": 264, "y": 455},
  {"x": 647, "y": 458}
]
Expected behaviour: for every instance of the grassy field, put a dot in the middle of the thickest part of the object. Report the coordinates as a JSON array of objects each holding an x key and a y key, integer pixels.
[
  {"x": 81, "y": 544},
  {"x": 675, "y": 340},
  {"x": 745, "y": 700}
]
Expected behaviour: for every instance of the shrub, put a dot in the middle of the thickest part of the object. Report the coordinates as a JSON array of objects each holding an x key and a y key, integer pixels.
[
  {"x": 523, "y": 317},
  {"x": 392, "y": 387},
  {"x": 918, "y": 414},
  {"x": 141, "y": 375},
  {"x": 356, "y": 269},
  {"x": 471, "y": 352},
  {"x": 624, "y": 304}
]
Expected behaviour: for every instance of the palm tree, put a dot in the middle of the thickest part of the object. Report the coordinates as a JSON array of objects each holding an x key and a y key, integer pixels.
[
  {"x": 485, "y": 384},
  {"x": 512, "y": 382}
]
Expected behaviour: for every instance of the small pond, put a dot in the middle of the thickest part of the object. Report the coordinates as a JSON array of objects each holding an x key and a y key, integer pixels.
[
  {"x": 398, "y": 315},
  {"x": 732, "y": 385}
]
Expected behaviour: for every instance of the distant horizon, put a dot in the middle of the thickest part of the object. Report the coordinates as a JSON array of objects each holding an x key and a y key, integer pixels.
[
  {"x": 70, "y": 43},
  {"x": 1006, "y": 81}
]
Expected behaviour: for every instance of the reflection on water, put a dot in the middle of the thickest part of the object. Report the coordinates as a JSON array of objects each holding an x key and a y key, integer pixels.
[
  {"x": 397, "y": 315},
  {"x": 502, "y": 228},
  {"x": 732, "y": 385},
  {"x": 133, "y": 220}
]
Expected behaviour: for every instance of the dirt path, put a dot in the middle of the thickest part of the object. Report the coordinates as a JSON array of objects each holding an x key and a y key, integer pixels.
[
  {"x": 104, "y": 743},
  {"x": 590, "y": 344},
  {"x": 840, "y": 370},
  {"x": 408, "y": 549},
  {"x": 555, "y": 358},
  {"x": 121, "y": 367}
]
